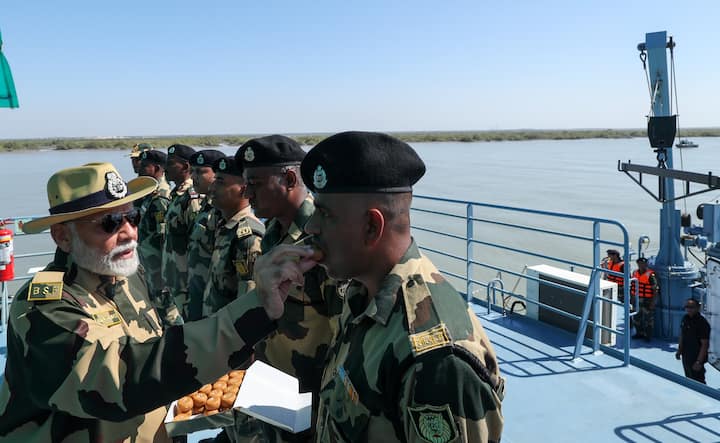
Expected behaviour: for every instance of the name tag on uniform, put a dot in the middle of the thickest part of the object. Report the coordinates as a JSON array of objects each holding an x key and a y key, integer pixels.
[
  {"x": 241, "y": 267},
  {"x": 107, "y": 318},
  {"x": 46, "y": 286},
  {"x": 352, "y": 393},
  {"x": 433, "y": 338}
]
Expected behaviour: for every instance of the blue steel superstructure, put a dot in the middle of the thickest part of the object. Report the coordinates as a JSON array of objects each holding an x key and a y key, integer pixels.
[{"x": 675, "y": 274}]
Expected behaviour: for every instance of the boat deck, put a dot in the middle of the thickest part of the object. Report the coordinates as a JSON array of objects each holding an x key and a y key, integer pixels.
[{"x": 550, "y": 397}]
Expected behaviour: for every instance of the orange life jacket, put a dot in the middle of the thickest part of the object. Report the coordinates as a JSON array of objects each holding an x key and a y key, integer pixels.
[
  {"x": 646, "y": 289},
  {"x": 617, "y": 267}
]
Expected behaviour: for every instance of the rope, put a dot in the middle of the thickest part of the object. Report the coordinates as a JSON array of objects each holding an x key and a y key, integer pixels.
[
  {"x": 643, "y": 59},
  {"x": 673, "y": 85}
]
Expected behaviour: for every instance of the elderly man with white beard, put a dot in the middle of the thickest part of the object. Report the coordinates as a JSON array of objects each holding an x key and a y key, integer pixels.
[{"x": 87, "y": 359}]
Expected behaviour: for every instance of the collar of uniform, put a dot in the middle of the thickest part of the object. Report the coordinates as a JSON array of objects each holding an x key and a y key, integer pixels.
[
  {"x": 295, "y": 230},
  {"x": 244, "y": 212},
  {"x": 305, "y": 211},
  {"x": 184, "y": 186},
  {"x": 92, "y": 282},
  {"x": 163, "y": 189},
  {"x": 381, "y": 306}
]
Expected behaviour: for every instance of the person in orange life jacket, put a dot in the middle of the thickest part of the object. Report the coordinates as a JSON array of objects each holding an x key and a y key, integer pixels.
[
  {"x": 614, "y": 262},
  {"x": 694, "y": 341},
  {"x": 647, "y": 289}
]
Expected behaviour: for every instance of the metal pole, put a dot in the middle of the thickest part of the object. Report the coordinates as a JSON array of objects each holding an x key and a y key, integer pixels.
[
  {"x": 468, "y": 252},
  {"x": 595, "y": 287},
  {"x": 669, "y": 264},
  {"x": 5, "y": 306}
]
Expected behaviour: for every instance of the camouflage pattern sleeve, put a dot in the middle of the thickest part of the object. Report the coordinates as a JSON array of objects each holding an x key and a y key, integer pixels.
[
  {"x": 151, "y": 237},
  {"x": 96, "y": 375},
  {"x": 444, "y": 400},
  {"x": 200, "y": 250},
  {"x": 237, "y": 245},
  {"x": 180, "y": 218}
]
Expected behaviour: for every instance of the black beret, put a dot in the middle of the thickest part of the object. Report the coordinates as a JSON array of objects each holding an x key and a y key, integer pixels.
[
  {"x": 272, "y": 150},
  {"x": 363, "y": 162},
  {"x": 613, "y": 251},
  {"x": 154, "y": 156},
  {"x": 641, "y": 260},
  {"x": 206, "y": 157},
  {"x": 228, "y": 165},
  {"x": 181, "y": 151}
]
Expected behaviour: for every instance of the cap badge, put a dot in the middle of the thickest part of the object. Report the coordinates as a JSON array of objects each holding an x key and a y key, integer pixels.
[
  {"x": 200, "y": 159},
  {"x": 171, "y": 150},
  {"x": 144, "y": 155},
  {"x": 114, "y": 185},
  {"x": 222, "y": 165},
  {"x": 319, "y": 177},
  {"x": 249, "y": 155}
]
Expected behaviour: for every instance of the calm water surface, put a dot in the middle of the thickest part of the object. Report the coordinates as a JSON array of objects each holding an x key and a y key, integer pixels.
[{"x": 573, "y": 176}]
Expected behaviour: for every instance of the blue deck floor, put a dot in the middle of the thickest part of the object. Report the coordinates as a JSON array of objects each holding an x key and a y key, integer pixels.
[{"x": 551, "y": 398}]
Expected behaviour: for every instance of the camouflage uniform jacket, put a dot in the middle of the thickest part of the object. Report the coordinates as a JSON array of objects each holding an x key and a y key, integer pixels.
[
  {"x": 88, "y": 362},
  {"x": 237, "y": 245},
  {"x": 179, "y": 220},
  {"x": 151, "y": 238},
  {"x": 200, "y": 250},
  {"x": 311, "y": 313},
  {"x": 413, "y": 364}
]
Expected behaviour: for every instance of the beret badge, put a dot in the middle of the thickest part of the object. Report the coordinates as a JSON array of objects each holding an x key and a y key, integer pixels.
[
  {"x": 114, "y": 185},
  {"x": 319, "y": 178},
  {"x": 171, "y": 150},
  {"x": 249, "y": 155},
  {"x": 222, "y": 165},
  {"x": 143, "y": 156},
  {"x": 200, "y": 159}
]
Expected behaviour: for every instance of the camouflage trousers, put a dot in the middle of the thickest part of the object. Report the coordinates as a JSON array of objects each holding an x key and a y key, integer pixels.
[{"x": 644, "y": 320}]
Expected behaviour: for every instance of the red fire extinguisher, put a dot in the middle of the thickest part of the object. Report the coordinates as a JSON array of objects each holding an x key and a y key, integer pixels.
[{"x": 7, "y": 259}]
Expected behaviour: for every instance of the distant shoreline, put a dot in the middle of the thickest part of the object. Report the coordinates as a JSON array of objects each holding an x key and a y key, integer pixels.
[{"x": 61, "y": 144}]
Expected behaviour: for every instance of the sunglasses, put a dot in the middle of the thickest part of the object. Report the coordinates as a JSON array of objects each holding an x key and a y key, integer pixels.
[{"x": 110, "y": 223}]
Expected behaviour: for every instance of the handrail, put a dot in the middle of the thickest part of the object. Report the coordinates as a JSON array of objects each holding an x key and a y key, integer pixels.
[
  {"x": 437, "y": 216},
  {"x": 469, "y": 212}
]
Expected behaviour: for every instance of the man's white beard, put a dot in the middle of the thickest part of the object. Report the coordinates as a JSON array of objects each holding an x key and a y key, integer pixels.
[{"x": 98, "y": 263}]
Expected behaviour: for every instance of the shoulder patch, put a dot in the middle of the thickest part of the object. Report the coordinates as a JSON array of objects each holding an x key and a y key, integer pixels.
[
  {"x": 434, "y": 424},
  {"x": 107, "y": 318},
  {"x": 435, "y": 337},
  {"x": 46, "y": 286},
  {"x": 243, "y": 231}
]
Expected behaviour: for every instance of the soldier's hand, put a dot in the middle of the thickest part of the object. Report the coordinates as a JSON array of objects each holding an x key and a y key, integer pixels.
[
  {"x": 677, "y": 355},
  {"x": 277, "y": 272}
]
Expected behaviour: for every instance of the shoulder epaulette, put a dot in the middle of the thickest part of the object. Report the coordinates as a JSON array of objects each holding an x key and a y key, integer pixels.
[
  {"x": 46, "y": 286},
  {"x": 246, "y": 228}
]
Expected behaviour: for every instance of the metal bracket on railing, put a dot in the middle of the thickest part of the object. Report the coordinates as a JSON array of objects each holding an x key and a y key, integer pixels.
[
  {"x": 634, "y": 301},
  {"x": 491, "y": 287}
]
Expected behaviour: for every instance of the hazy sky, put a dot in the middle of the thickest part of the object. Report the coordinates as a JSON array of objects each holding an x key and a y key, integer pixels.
[{"x": 154, "y": 67}]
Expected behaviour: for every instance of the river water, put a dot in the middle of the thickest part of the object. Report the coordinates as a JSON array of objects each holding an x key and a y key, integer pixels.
[{"x": 570, "y": 176}]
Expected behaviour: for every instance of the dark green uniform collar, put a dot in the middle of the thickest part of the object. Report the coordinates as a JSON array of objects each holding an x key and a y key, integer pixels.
[
  {"x": 296, "y": 230},
  {"x": 382, "y": 304}
]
